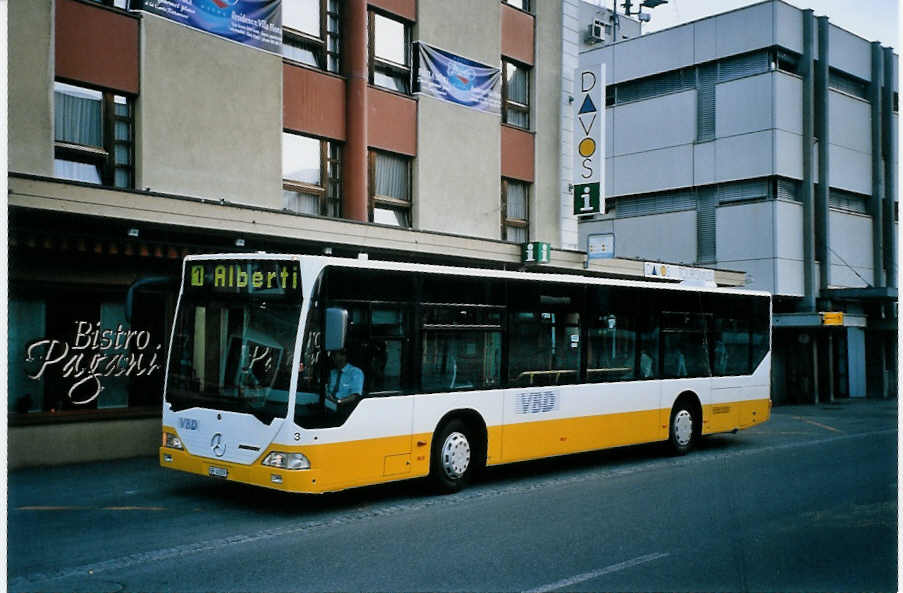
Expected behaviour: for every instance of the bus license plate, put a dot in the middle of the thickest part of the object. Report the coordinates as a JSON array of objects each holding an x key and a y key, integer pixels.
[{"x": 218, "y": 472}]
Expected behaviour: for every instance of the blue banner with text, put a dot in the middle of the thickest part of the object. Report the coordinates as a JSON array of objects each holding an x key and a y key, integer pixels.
[
  {"x": 257, "y": 23},
  {"x": 449, "y": 77}
]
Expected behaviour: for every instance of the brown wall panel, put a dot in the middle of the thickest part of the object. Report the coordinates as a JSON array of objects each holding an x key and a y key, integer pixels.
[
  {"x": 313, "y": 102},
  {"x": 392, "y": 122},
  {"x": 517, "y": 154},
  {"x": 403, "y": 8},
  {"x": 97, "y": 46},
  {"x": 517, "y": 34}
]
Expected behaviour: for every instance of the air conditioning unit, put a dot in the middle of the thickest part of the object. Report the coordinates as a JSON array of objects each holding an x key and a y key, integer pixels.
[{"x": 597, "y": 32}]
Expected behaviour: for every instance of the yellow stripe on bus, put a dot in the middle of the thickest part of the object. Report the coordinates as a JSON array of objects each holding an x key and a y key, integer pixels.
[{"x": 336, "y": 466}]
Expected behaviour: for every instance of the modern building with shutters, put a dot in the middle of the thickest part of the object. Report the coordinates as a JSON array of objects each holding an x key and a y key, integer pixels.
[
  {"x": 135, "y": 139},
  {"x": 763, "y": 140}
]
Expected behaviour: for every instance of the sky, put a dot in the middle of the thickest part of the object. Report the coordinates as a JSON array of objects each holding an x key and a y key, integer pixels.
[{"x": 875, "y": 20}]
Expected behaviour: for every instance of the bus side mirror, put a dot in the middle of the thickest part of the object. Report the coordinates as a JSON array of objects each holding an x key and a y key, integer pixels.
[{"x": 336, "y": 328}]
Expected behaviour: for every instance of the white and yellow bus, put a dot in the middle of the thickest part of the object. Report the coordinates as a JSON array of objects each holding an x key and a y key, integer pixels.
[{"x": 463, "y": 368}]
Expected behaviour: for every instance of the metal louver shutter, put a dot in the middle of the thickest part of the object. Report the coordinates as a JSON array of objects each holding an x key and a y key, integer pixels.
[
  {"x": 660, "y": 203},
  {"x": 849, "y": 201},
  {"x": 705, "y": 103},
  {"x": 745, "y": 65},
  {"x": 788, "y": 190},
  {"x": 705, "y": 225},
  {"x": 742, "y": 191}
]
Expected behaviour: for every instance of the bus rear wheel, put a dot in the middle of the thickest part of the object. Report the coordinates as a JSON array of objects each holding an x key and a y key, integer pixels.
[
  {"x": 683, "y": 430},
  {"x": 453, "y": 457}
]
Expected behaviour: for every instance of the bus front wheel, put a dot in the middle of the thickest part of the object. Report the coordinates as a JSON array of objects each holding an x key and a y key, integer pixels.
[
  {"x": 453, "y": 457},
  {"x": 683, "y": 429}
]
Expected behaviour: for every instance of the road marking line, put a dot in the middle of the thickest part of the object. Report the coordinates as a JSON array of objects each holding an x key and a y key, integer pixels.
[
  {"x": 818, "y": 424},
  {"x": 356, "y": 515},
  {"x": 76, "y": 508},
  {"x": 52, "y": 508},
  {"x": 597, "y": 573}
]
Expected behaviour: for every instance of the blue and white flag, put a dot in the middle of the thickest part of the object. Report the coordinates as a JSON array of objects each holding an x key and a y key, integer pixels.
[
  {"x": 257, "y": 23},
  {"x": 445, "y": 76}
]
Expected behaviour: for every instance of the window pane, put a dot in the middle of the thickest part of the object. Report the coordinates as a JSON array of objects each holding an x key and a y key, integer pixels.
[
  {"x": 522, "y": 4},
  {"x": 730, "y": 347},
  {"x": 516, "y": 234},
  {"x": 684, "y": 345},
  {"x": 461, "y": 360},
  {"x": 391, "y": 81},
  {"x": 391, "y": 177},
  {"x": 612, "y": 348},
  {"x": 122, "y": 131},
  {"x": 122, "y": 178},
  {"x": 517, "y": 84},
  {"x": 295, "y": 49},
  {"x": 389, "y": 40},
  {"x": 66, "y": 169},
  {"x": 517, "y": 118},
  {"x": 391, "y": 216},
  {"x": 122, "y": 155},
  {"x": 302, "y": 15},
  {"x": 299, "y": 202},
  {"x": 544, "y": 348},
  {"x": 517, "y": 200},
  {"x": 301, "y": 159},
  {"x": 78, "y": 115}
]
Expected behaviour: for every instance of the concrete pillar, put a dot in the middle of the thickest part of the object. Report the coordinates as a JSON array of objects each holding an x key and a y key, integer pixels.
[
  {"x": 877, "y": 172},
  {"x": 822, "y": 129},
  {"x": 890, "y": 172},
  {"x": 808, "y": 185},
  {"x": 830, "y": 369},
  {"x": 355, "y": 169}
]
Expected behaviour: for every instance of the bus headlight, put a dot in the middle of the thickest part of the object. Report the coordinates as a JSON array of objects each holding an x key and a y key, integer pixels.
[
  {"x": 287, "y": 460},
  {"x": 172, "y": 441}
]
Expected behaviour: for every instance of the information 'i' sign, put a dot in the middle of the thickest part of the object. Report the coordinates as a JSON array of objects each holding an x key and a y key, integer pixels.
[{"x": 589, "y": 140}]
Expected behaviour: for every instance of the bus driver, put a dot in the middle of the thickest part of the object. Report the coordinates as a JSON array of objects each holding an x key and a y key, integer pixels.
[{"x": 346, "y": 381}]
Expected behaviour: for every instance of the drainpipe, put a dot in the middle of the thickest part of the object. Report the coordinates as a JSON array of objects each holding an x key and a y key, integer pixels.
[
  {"x": 822, "y": 226},
  {"x": 808, "y": 183},
  {"x": 890, "y": 171},
  {"x": 877, "y": 173},
  {"x": 354, "y": 153}
]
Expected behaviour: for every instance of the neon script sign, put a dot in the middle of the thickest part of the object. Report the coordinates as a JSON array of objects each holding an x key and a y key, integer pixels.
[{"x": 94, "y": 354}]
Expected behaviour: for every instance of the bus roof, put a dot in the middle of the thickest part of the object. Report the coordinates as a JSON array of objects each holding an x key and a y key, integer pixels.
[{"x": 373, "y": 264}]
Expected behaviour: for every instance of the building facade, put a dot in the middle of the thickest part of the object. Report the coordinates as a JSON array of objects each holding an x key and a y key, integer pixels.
[
  {"x": 763, "y": 140},
  {"x": 135, "y": 140}
]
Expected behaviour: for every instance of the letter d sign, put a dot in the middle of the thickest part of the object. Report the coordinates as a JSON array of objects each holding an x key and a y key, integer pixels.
[{"x": 197, "y": 275}]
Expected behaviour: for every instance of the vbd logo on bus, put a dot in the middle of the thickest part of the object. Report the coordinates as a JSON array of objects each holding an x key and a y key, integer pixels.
[
  {"x": 188, "y": 423},
  {"x": 536, "y": 402}
]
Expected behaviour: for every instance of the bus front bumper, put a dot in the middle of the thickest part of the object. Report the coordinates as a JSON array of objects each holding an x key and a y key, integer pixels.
[{"x": 255, "y": 474}]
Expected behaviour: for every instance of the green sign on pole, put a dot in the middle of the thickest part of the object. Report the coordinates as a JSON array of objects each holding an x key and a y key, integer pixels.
[{"x": 536, "y": 252}]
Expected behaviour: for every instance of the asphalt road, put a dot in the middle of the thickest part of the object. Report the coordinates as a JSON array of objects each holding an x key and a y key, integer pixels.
[{"x": 806, "y": 502}]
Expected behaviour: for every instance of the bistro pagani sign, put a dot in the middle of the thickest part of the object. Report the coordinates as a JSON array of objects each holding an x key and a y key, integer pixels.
[{"x": 93, "y": 354}]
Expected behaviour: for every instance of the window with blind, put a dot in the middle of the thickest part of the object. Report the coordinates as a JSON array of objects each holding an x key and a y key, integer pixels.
[
  {"x": 390, "y": 189},
  {"x": 93, "y": 136},
  {"x": 311, "y": 175},
  {"x": 390, "y": 53},
  {"x": 516, "y": 95},
  {"x": 515, "y": 211},
  {"x": 311, "y": 33}
]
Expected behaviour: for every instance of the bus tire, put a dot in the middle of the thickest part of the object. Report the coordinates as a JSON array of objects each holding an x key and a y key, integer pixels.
[
  {"x": 682, "y": 433},
  {"x": 454, "y": 456}
]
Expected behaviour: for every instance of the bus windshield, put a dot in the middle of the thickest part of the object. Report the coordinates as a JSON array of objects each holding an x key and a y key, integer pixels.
[{"x": 233, "y": 345}]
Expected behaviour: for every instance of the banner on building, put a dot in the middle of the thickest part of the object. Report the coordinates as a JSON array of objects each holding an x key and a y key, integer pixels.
[
  {"x": 257, "y": 23},
  {"x": 449, "y": 77},
  {"x": 589, "y": 140}
]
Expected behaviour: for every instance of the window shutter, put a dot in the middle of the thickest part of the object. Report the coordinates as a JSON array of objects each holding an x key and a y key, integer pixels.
[
  {"x": 705, "y": 103},
  {"x": 705, "y": 225}
]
